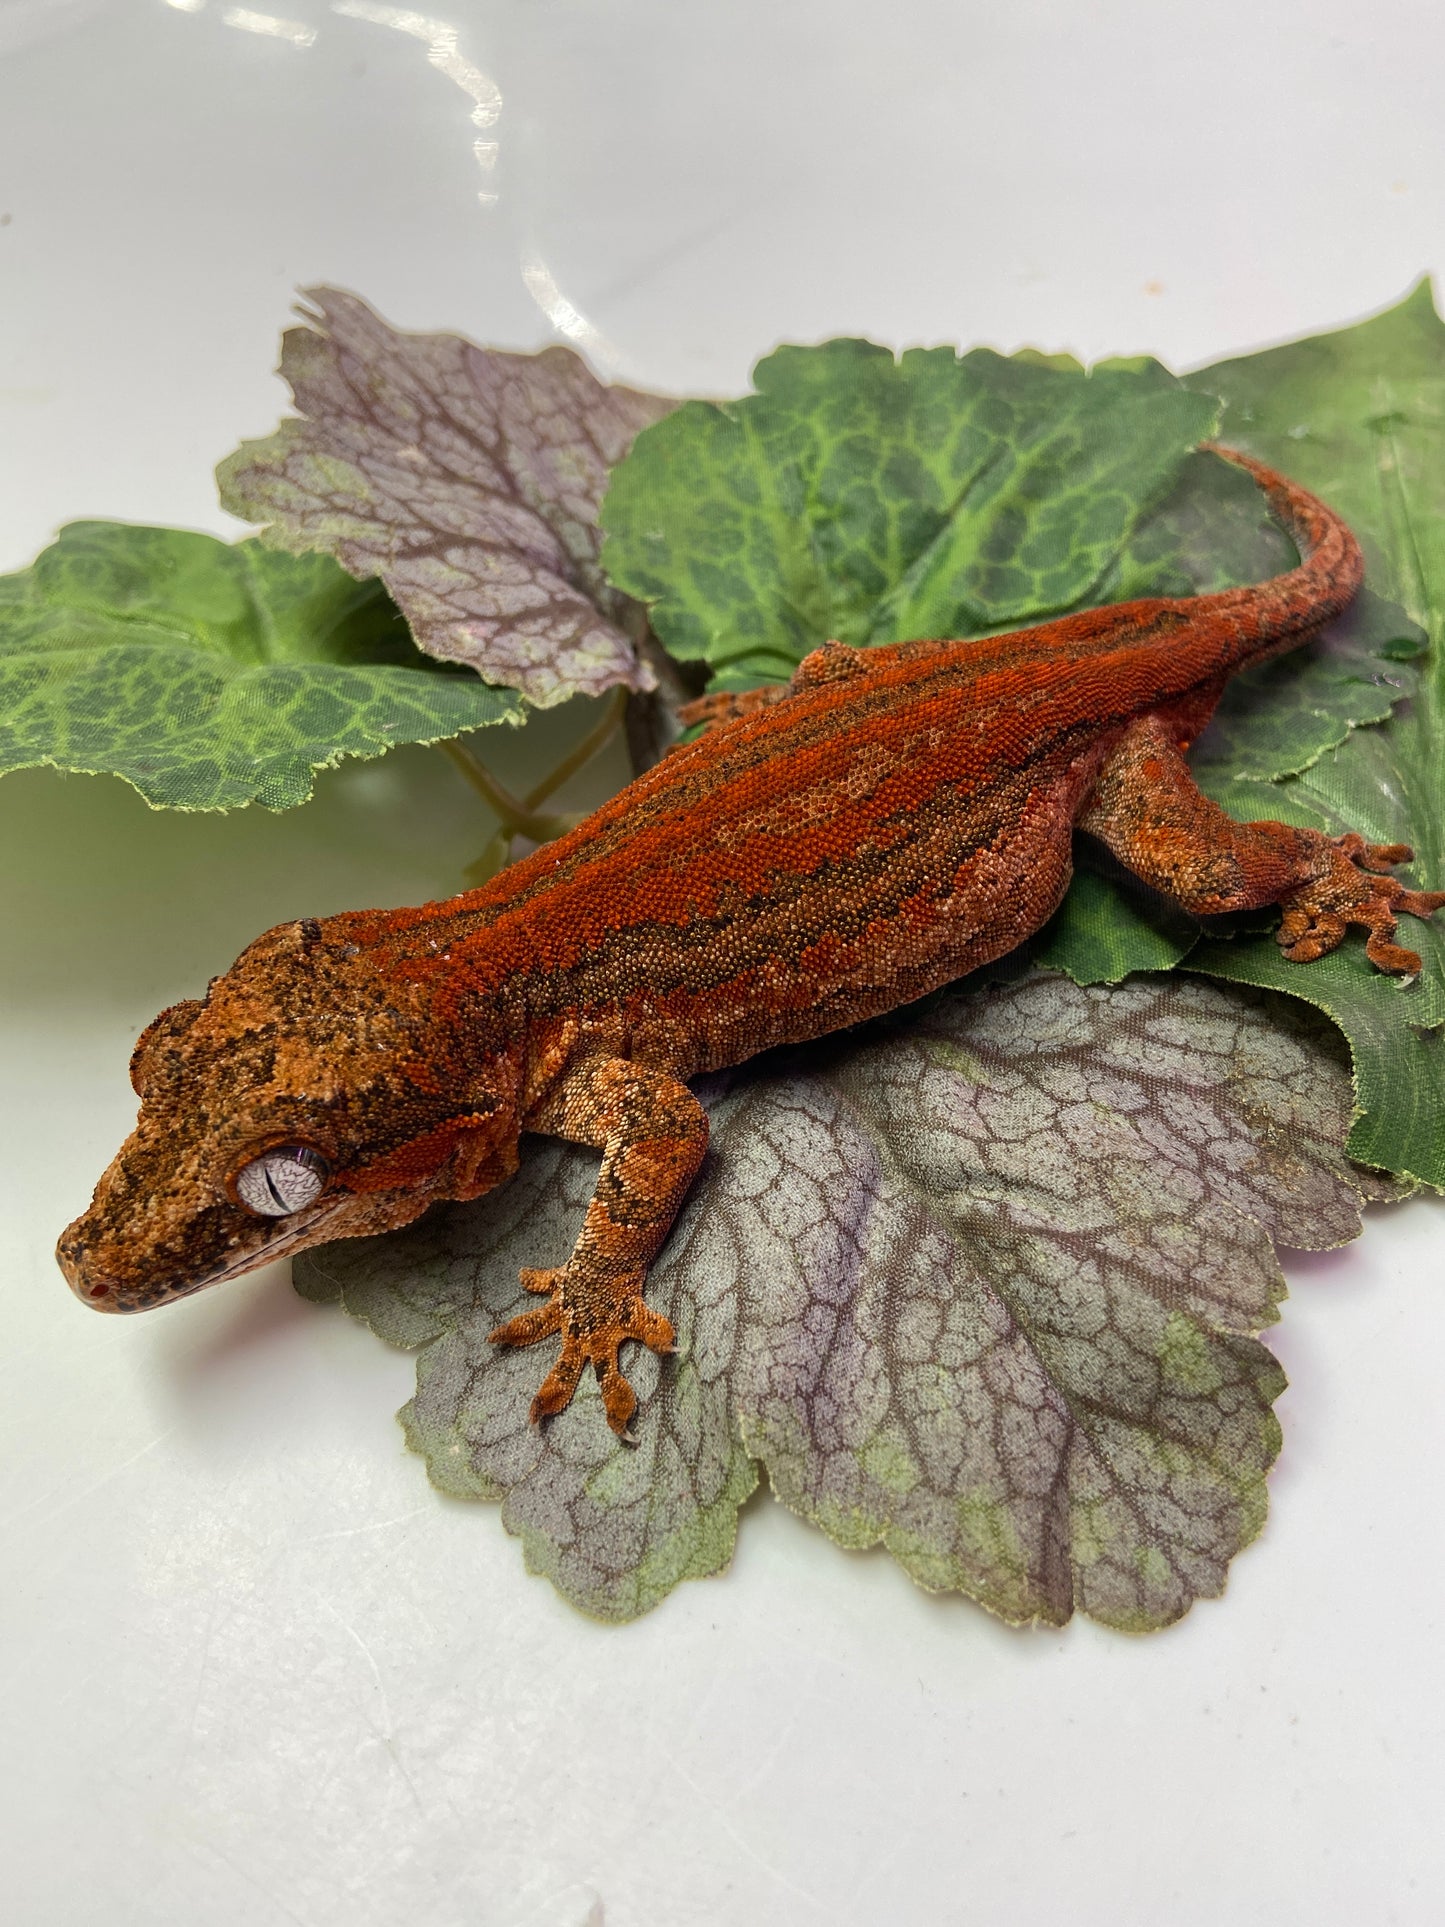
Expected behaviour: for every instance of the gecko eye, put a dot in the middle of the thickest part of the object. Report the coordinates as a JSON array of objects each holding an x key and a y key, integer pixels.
[{"x": 284, "y": 1179}]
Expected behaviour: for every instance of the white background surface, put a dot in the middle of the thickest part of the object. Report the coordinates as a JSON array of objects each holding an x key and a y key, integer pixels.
[{"x": 252, "y": 1669}]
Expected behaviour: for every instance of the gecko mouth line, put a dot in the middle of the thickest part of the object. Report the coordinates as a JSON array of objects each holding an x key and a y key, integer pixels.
[{"x": 99, "y": 1292}]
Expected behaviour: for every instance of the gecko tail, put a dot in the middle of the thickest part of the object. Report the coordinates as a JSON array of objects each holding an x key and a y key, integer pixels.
[{"x": 1327, "y": 578}]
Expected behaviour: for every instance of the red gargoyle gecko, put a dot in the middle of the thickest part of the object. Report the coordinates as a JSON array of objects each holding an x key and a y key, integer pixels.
[{"x": 826, "y": 850}]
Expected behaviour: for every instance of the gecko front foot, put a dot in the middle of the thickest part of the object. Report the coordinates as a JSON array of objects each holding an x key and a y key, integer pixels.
[
  {"x": 594, "y": 1316},
  {"x": 1349, "y": 887}
]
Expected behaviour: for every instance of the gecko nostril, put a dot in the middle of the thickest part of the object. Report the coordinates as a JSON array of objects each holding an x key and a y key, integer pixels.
[
  {"x": 86, "y": 1279},
  {"x": 101, "y": 1294}
]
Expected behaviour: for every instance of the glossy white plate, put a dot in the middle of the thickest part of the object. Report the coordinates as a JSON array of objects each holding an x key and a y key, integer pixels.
[{"x": 255, "y": 1670}]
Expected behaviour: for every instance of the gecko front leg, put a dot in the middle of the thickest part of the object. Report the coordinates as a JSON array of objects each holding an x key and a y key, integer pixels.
[{"x": 652, "y": 1133}]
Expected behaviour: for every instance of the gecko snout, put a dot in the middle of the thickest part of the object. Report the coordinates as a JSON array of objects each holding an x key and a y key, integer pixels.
[{"x": 89, "y": 1284}]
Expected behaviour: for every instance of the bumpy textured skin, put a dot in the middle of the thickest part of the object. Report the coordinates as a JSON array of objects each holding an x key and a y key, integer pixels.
[{"x": 823, "y": 852}]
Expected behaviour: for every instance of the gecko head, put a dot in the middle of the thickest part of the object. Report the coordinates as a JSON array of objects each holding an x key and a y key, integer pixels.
[{"x": 301, "y": 1100}]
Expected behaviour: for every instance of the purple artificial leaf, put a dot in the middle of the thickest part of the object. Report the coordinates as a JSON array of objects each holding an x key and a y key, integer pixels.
[
  {"x": 982, "y": 1286},
  {"x": 467, "y": 479}
]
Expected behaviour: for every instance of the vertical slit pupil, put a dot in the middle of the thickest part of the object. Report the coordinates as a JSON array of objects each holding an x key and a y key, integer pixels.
[{"x": 282, "y": 1180}]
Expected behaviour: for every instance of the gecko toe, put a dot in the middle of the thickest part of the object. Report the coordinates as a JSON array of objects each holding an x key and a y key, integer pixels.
[
  {"x": 1392, "y": 957},
  {"x": 619, "y": 1401},
  {"x": 554, "y": 1394},
  {"x": 638, "y": 1320},
  {"x": 529, "y": 1327}
]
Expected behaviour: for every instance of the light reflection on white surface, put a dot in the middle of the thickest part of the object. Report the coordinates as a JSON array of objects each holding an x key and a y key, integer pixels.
[
  {"x": 443, "y": 46},
  {"x": 444, "y": 53},
  {"x": 292, "y": 31},
  {"x": 186, "y": 6},
  {"x": 565, "y": 316}
]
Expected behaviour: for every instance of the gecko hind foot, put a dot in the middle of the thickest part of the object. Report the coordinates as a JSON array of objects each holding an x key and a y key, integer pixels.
[
  {"x": 594, "y": 1317},
  {"x": 1351, "y": 887}
]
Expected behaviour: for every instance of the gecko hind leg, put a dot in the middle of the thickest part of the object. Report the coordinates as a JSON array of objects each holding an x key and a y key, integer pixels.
[
  {"x": 1147, "y": 809},
  {"x": 652, "y": 1132}
]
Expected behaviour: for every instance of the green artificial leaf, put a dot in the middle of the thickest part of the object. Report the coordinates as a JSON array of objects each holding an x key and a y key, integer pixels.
[
  {"x": 1359, "y": 416},
  {"x": 979, "y": 1283},
  {"x": 1212, "y": 531},
  {"x": 1278, "y": 718},
  {"x": 873, "y": 500},
  {"x": 209, "y": 674},
  {"x": 467, "y": 480},
  {"x": 1111, "y": 925}
]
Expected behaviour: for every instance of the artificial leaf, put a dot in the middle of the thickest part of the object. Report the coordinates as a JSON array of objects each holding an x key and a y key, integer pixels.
[
  {"x": 210, "y": 674},
  {"x": 1110, "y": 925},
  {"x": 466, "y": 479},
  {"x": 1210, "y": 532},
  {"x": 1358, "y": 415},
  {"x": 1396, "y": 1030},
  {"x": 979, "y": 1283},
  {"x": 1278, "y": 718},
  {"x": 871, "y": 499}
]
